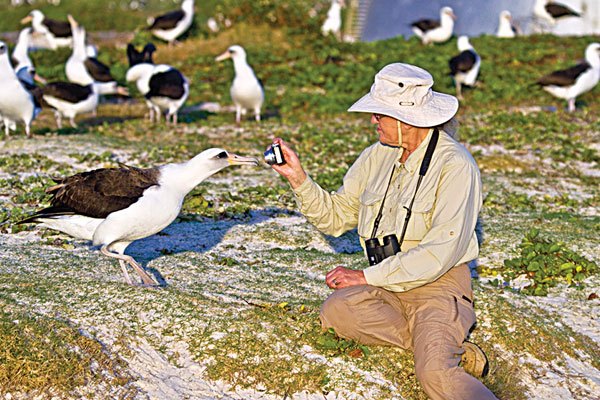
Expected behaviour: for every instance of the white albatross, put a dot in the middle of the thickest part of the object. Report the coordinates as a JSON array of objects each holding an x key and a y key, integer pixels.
[
  {"x": 112, "y": 207},
  {"x": 550, "y": 12},
  {"x": 464, "y": 67},
  {"x": 57, "y": 33},
  {"x": 434, "y": 31},
  {"x": 333, "y": 22},
  {"x": 506, "y": 29},
  {"x": 246, "y": 90},
  {"x": 164, "y": 87},
  {"x": 170, "y": 26},
  {"x": 16, "y": 103},
  {"x": 572, "y": 82}
]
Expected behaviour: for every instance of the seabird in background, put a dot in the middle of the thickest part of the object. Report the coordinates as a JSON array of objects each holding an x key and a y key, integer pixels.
[
  {"x": 549, "y": 11},
  {"x": 170, "y": 26},
  {"x": 571, "y": 82},
  {"x": 464, "y": 67},
  {"x": 16, "y": 103},
  {"x": 506, "y": 29},
  {"x": 434, "y": 31},
  {"x": 20, "y": 56},
  {"x": 246, "y": 90},
  {"x": 164, "y": 87},
  {"x": 68, "y": 98},
  {"x": 80, "y": 67},
  {"x": 112, "y": 207},
  {"x": 57, "y": 33},
  {"x": 333, "y": 22}
]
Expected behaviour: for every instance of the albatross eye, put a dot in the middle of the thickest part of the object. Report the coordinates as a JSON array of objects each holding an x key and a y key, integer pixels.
[{"x": 222, "y": 154}]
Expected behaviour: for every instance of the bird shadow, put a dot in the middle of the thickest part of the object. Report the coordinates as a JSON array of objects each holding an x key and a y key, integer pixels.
[{"x": 202, "y": 236}]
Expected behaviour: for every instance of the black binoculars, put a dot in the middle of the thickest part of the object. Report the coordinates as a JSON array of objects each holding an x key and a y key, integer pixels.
[{"x": 377, "y": 253}]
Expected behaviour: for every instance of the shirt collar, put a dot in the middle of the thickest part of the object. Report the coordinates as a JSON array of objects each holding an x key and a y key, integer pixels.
[{"x": 413, "y": 162}]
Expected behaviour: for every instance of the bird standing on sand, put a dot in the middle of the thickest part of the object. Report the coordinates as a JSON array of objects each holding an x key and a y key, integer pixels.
[
  {"x": 246, "y": 90},
  {"x": 435, "y": 31},
  {"x": 506, "y": 29},
  {"x": 16, "y": 103},
  {"x": 164, "y": 87},
  {"x": 464, "y": 67},
  {"x": 170, "y": 26},
  {"x": 571, "y": 82},
  {"x": 57, "y": 33},
  {"x": 333, "y": 22},
  {"x": 112, "y": 207}
]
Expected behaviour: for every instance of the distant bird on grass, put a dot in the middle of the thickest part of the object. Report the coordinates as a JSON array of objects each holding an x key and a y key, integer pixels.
[
  {"x": 57, "y": 33},
  {"x": 333, "y": 22},
  {"x": 80, "y": 67},
  {"x": 549, "y": 12},
  {"x": 435, "y": 31},
  {"x": 16, "y": 103},
  {"x": 506, "y": 29},
  {"x": 246, "y": 90},
  {"x": 170, "y": 26},
  {"x": 68, "y": 98},
  {"x": 571, "y": 82},
  {"x": 164, "y": 87},
  {"x": 464, "y": 67},
  {"x": 112, "y": 207}
]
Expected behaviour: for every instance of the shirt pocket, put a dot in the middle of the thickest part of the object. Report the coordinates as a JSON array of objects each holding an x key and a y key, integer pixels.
[
  {"x": 369, "y": 207},
  {"x": 420, "y": 220}
]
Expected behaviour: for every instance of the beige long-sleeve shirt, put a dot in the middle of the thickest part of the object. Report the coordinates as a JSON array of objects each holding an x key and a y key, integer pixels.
[{"x": 441, "y": 230}]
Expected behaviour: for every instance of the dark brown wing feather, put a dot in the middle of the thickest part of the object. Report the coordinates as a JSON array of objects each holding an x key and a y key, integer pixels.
[
  {"x": 559, "y": 10},
  {"x": 68, "y": 91},
  {"x": 166, "y": 84},
  {"x": 426, "y": 24},
  {"x": 100, "y": 192},
  {"x": 100, "y": 72},
  {"x": 168, "y": 20},
  {"x": 462, "y": 62},
  {"x": 564, "y": 77},
  {"x": 58, "y": 28}
]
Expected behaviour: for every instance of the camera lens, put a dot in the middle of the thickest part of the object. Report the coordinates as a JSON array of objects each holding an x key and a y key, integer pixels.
[
  {"x": 273, "y": 155},
  {"x": 270, "y": 157}
]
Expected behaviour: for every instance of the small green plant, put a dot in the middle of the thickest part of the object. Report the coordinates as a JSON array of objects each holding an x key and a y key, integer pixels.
[
  {"x": 544, "y": 264},
  {"x": 331, "y": 344}
]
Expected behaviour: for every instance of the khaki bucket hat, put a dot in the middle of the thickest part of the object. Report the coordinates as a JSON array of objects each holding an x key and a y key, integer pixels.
[{"x": 403, "y": 91}]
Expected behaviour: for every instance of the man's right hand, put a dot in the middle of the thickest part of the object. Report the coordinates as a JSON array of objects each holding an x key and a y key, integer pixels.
[{"x": 292, "y": 169}]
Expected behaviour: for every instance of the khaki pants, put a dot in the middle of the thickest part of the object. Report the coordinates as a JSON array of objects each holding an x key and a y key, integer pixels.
[{"x": 433, "y": 320}]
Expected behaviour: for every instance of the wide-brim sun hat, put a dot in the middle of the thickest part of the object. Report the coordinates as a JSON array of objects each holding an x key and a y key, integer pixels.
[{"x": 403, "y": 91}]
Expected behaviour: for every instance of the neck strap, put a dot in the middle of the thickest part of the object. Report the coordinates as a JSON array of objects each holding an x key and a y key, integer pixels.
[{"x": 422, "y": 171}]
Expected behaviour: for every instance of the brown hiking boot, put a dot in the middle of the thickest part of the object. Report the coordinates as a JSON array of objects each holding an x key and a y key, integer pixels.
[{"x": 474, "y": 361}]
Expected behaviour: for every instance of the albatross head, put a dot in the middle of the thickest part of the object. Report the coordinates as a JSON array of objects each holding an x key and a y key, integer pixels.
[
  {"x": 35, "y": 16},
  {"x": 234, "y": 52},
  {"x": 447, "y": 12},
  {"x": 592, "y": 54},
  {"x": 4, "y": 60}
]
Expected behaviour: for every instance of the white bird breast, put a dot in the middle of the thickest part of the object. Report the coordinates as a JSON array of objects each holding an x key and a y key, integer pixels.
[
  {"x": 153, "y": 212},
  {"x": 15, "y": 102}
]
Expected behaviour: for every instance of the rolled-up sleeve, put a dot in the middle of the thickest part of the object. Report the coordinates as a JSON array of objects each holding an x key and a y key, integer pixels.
[{"x": 451, "y": 239}]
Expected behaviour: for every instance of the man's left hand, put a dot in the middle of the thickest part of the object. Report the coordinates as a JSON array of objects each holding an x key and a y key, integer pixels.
[{"x": 341, "y": 277}]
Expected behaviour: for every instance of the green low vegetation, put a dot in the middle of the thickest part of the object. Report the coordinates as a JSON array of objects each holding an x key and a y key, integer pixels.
[{"x": 244, "y": 274}]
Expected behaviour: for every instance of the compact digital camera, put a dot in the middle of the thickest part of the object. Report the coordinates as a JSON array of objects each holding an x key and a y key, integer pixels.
[
  {"x": 273, "y": 155},
  {"x": 377, "y": 253}
]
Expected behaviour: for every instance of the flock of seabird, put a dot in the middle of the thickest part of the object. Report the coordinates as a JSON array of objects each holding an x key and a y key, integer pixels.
[{"x": 112, "y": 207}]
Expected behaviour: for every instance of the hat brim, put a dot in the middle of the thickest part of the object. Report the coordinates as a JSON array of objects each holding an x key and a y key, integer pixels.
[{"x": 439, "y": 109}]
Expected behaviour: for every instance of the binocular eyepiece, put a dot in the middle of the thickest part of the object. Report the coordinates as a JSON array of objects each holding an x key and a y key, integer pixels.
[{"x": 377, "y": 253}]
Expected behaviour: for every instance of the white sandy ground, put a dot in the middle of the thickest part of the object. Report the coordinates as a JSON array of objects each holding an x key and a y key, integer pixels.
[{"x": 163, "y": 368}]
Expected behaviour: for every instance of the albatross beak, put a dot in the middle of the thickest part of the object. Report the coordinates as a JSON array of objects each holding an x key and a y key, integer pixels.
[
  {"x": 72, "y": 21},
  {"x": 234, "y": 159},
  {"x": 26, "y": 20},
  {"x": 223, "y": 56}
]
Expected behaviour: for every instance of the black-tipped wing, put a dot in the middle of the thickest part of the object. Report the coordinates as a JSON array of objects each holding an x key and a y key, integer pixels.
[
  {"x": 67, "y": 91},
  {"x": 558, "y": 10},
  {"x": 100, "y": 192},
  {"x": 167, "y": 84},
  {"x": 58, "y": 28},
  {"x": 462, "y": 62},
  {"x": 168, "y": 20},
  {"x": 564, "y": 77},
  {"x": 100, "y": 72},
  {"x": 426, "y": 24}
]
